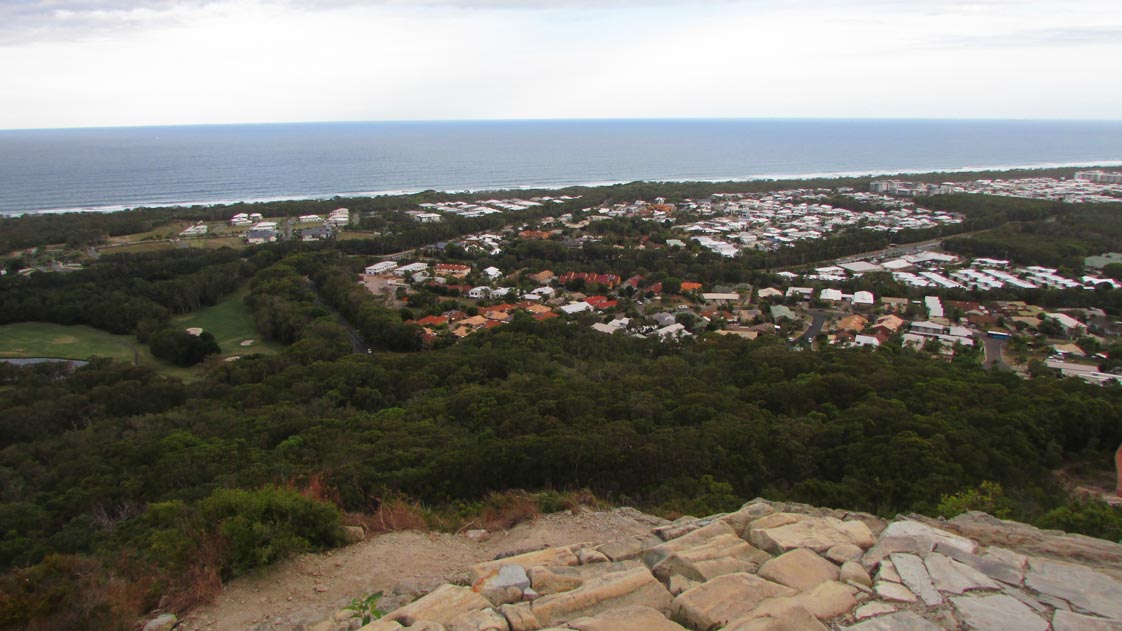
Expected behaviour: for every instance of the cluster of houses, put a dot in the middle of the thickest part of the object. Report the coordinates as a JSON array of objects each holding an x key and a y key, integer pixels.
[
  {"x": 940, "y": 270},
  {"x": 1086, "y": 186},
  {"x": 432, "y": 212},
  {"x": 312, "y": 227}
]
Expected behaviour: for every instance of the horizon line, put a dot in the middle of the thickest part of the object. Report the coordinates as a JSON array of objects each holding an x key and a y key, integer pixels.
[{"x": 576, "y": 120}]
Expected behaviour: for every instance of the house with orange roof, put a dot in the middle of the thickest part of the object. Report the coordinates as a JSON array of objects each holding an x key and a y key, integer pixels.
[{"x": 691, "y": 286}]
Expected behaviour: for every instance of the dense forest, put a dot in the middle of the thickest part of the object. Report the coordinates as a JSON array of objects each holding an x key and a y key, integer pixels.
[{"x": 121, "y": 489}]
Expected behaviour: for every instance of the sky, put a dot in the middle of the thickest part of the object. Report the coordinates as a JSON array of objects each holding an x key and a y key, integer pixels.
[{"x": 78, "y": 63}]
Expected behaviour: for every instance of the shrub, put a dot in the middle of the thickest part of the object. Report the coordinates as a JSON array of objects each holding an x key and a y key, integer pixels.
[
  {"x": 269, "y": 524},
  {"x": 988, "y": 497},
  {"x": 1088, "y": 516}
]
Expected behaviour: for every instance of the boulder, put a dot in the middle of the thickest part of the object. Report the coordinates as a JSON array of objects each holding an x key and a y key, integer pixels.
[
  {"x": 626, "y": 619},
  {"x": 1087, "y": 589},
  {"x": 654, "y": 556},
  {"x": 828, "y": 600},
  {"x": 780, "y": 614},
  {"x": 163, "y": 622},
  {"x": 550, "y": 556},
  {"x": 441, "y": 605},
  {"x": 951, "y": 576},
  {"x": 997, "y": 564},
  {"x": 844, "y": 552},
  {"x": 382, "y": 625},
  {"x": 873, "y": 609},
  {"x": 913, "y": 573},
  {"x": 816, "y": 533},
  {"x": 930, "y": 534},
  {"x": 723, "y": 599},
  {"x": 629, "y": 548},
  {"x": 520, "y": 617},
  {"x": 480, "y": 620},
  {"x": 620, "y": 589},
  {"x": 799, "y": 569},
  {"x": 894, "y": 592},
  {"x": 899, "y": 621},
  {"x": 1068, "y": 621},
  {"x": 588, "y": 555},
  {"x": 679, "y": 527},
  {"x": 854, "y": 573},
  {"x": 746, "y": 515},
  {"x": 723, "y": 554},
  {"x": 545, "y": 581},
  {"x": 997, "y": 612}
]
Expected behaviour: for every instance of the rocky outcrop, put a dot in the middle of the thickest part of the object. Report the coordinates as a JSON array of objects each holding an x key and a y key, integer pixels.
[{"x": 778, "y": 566}]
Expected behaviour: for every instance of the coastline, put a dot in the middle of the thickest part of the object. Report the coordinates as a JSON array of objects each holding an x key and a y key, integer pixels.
[{"x": 559, "y": 186}]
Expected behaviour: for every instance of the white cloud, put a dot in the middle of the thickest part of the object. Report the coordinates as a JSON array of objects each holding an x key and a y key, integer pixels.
[{"x": 69, "y": 63}]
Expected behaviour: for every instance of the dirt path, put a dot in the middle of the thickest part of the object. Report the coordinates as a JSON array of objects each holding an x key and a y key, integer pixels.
[{"x": 309, "y": 588}]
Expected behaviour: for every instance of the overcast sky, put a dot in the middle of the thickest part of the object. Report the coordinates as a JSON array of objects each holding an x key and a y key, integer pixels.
[{"x": 66, "y": 63}]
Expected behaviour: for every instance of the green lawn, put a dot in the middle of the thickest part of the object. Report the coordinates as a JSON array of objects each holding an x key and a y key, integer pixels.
[
  {"x": 230, "y": 324},
  {"x": 228, "y": 321},
  {"x": 42, "y": 339}
]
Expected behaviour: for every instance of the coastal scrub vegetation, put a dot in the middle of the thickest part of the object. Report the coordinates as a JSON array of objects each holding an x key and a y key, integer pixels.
[{"x": 122, "y": 489}]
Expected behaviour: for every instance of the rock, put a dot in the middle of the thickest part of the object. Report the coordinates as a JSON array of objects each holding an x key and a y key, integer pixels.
[
  {"x": 853, "y": 572},
  {"x": 427, "y": 626},
  {"x": 894, "y": 592},
  {"x": 723, "y": 554},
  {"x": 1068, "y": 621},
  {"x": 654, "y": 556},
  {"x": 324, "y": 625},
  {"x": 478, "y": 534},
  {"x": 899, "y": 621},
  {"x": 887, "y": 572},
  {"x": 774, "y": 520},
  {"x": 957, "y": 578},
  {"x": 921, "y": 531},
  {"x": 480, "y": 620},
  {"x": 508, "y": 575},
  {"x": 530, "y": 594},
  {"x": 914, "y": 575},
  {"x": 799, "y": 569},
  {"x": 545, "y": 581},
  {"x": 1001, "y": 567},
  {"x": 626, "y": 619},
  {"x": 724, "y": 599},
  {"x": 441, "y": 605},
  {"x": 873, "y": 609},
  {"x": 990, "y": 531},
  {"x": 885, "y": 547},
  {"x": 354, "y": 534},
  {"x": 816, "y": 533},
  {"x": 502, "y": 595},
  {"x": 520, "y": 617},
  {"x": 549, "y": 556},
  {"x": 630, "y": 548},
  {"x": 1083, "y": 587},
  {"x": 828, "y": 600},
  {"x": 997, "y": 612},
  {"x": 382, "y": 625},
  {"x": 163, "y": 622},
  {"x": 633, "y": 587},
  {"x": 1023, "y": 596},
  {"x": 844, "y": 552},
  {"x": 749, "y": 513},
  {"x": 677, "y": 528},
  {"x": 778, "y": 615},
  {"x": 588, "y": 555},
  {"x": 679, "y": 584}
]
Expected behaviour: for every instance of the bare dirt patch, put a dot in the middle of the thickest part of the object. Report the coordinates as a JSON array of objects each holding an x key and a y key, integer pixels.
[{"x": 309, "y": 588}]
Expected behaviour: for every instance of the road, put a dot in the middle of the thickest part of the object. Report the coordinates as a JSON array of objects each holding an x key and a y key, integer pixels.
[
  {"x": 818, "y": 318},
  {"x": 994, "y": 348}
]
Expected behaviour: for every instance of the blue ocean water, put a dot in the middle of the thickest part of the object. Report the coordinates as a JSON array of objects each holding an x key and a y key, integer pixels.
[{"x": 115, "y": 168}]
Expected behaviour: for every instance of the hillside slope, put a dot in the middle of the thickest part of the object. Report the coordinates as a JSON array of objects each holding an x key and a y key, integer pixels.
[{"x": 769, "y": 566}]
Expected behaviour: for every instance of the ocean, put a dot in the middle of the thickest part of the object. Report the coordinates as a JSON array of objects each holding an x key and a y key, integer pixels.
[{"x": 119, "y": 168}]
